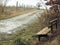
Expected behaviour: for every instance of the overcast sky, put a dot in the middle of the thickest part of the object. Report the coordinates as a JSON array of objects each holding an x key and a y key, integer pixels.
[{"x": 25, "y": 2}]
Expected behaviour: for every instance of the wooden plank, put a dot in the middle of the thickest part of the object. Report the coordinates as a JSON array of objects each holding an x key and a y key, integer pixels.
[
  {"x": 53, "y": 20},
  {"x": 44, "y": 31},
  {"x": 53, "y": 23}
]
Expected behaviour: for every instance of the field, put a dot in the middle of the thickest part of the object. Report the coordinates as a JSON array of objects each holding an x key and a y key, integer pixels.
[
  {"x": 26, "y": 35},
  {"x": 12, "y": 12}
]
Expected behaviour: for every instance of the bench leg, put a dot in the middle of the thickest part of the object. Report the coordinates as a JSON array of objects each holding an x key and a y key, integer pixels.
[
  {"x": 52, "y": 29},
  {"x": 39, "y": 38},
  {"x": 56, "y": 25}
]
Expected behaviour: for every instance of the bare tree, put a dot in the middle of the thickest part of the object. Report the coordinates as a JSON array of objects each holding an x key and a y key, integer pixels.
[
  {"x": 3, "y": 5},
  {"x": 38, "y": 5},
  {"x": 5, "y": 2},
  {"x": 16, "y": 5}
]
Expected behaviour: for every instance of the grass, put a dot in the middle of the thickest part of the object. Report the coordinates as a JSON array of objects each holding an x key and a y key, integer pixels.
[
  {"x": 26, "y": 35},
  {"x": 13, "y": 13}
]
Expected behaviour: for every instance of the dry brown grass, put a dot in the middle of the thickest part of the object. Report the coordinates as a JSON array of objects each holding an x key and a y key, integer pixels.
[
  {"x": 13, "y": 12},
  {"x": 32, "y": 29}
]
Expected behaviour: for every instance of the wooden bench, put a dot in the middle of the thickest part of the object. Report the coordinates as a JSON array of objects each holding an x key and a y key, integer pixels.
[
  {"x": 52, "y": 23},
  {"x": 43, "y": 33}
]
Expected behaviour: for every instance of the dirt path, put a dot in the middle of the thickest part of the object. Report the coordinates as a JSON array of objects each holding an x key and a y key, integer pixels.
[{"x": 18, "y": 21}]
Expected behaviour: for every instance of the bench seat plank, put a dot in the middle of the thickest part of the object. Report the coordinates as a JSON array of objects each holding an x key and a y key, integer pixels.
[{"x": 44, "y": 31}]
